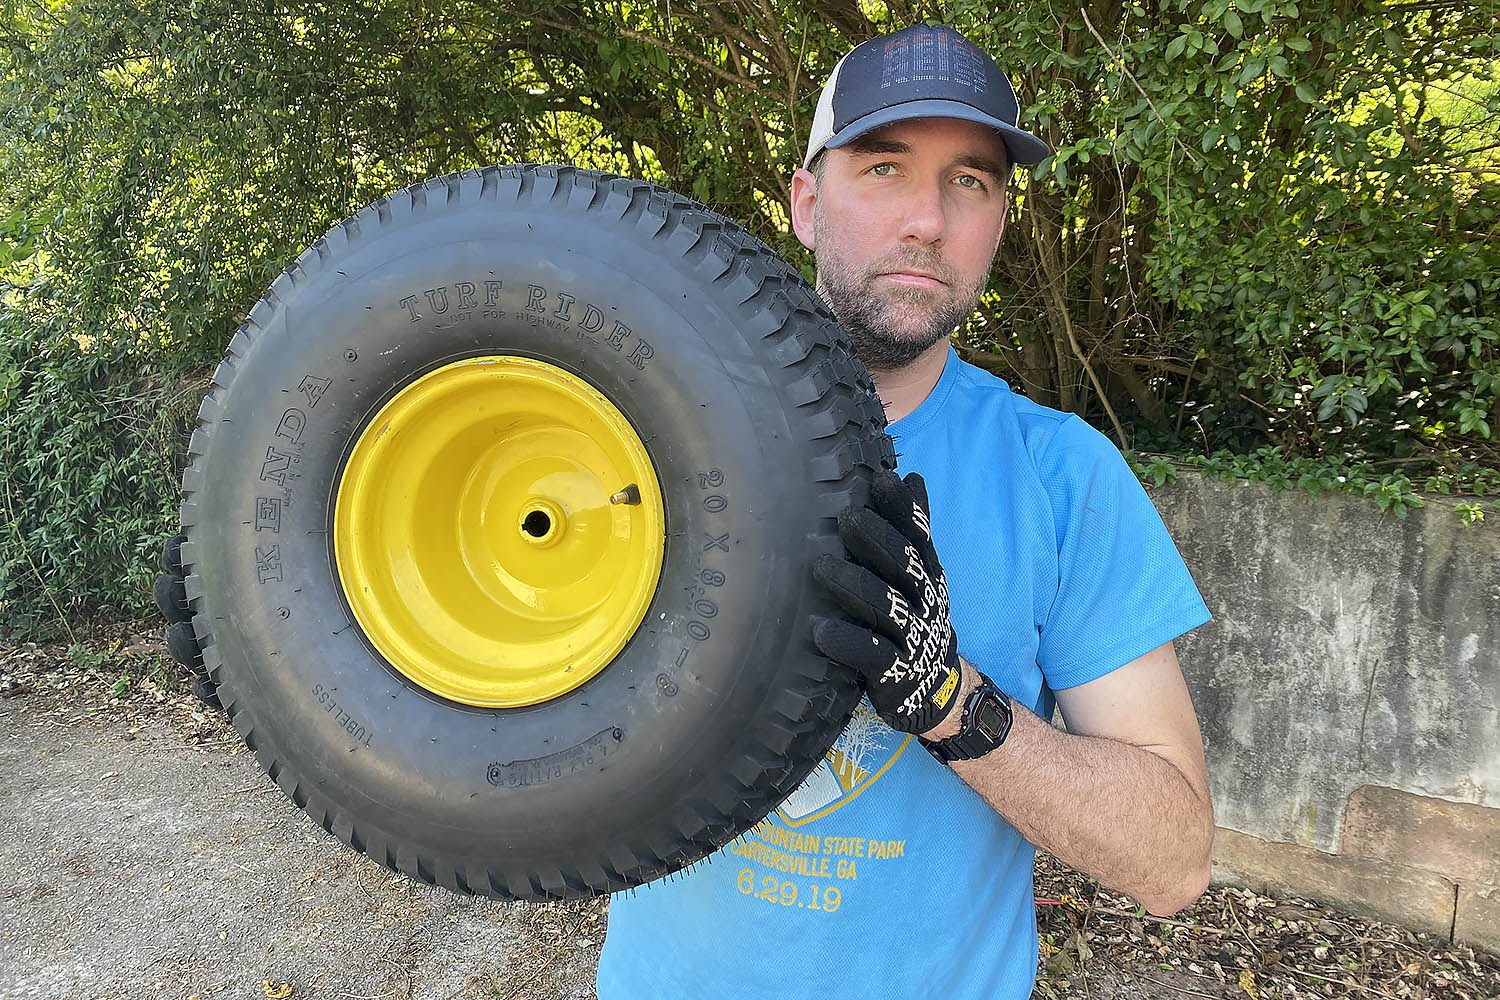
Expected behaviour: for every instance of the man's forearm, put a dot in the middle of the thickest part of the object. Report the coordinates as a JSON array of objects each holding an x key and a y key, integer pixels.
[{"x": 1118, "y": 812}]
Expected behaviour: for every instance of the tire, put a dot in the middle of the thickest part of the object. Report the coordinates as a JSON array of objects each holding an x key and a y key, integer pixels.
[
  {"x": 171, "y": 555},
  {"x": 760, "y": 425},
  {"x": 182, "y": 645},
  {"x": 170, "y": 593},
  {"x": 203, "y": 690}
]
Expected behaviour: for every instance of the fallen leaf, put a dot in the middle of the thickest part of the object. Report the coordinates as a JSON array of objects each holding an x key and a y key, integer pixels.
[
  {"x": 1247, "y": 983},
  {"x": 276, "y": 991},
  {"x": 1061, "y": 964}
]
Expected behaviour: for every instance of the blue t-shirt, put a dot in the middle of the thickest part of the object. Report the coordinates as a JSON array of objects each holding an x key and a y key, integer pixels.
[{"x": 883, "y": 874}]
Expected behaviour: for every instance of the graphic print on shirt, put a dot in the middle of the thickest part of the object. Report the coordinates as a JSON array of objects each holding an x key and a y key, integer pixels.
[
  {"x": 861, "y": 754},
  {"x": 782, "y": 865}
]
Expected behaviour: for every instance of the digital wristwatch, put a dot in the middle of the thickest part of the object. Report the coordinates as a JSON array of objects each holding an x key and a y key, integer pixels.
[{"x": 985, "y": 724}]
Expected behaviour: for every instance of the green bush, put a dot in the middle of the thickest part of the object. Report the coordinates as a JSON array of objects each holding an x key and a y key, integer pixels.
[
  {"x": 1267, "y": 222},
  {"x": 91, "y": 444}
]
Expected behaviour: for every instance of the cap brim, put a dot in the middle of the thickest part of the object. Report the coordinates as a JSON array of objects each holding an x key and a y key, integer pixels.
[{"x": 1022, "y": 147}]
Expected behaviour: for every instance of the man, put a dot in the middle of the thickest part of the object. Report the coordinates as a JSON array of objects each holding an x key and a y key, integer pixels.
[{"x": 1039, "y": 574}]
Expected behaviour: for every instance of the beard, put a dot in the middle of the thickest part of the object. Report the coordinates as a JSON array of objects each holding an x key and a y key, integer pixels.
[{"x": 890, "y": 324}]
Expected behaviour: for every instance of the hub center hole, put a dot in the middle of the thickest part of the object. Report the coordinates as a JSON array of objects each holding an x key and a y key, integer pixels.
[{"x": 537, "y": 524}]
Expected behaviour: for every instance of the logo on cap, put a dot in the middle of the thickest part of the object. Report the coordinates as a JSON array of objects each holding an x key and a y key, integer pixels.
[
  {"x": 933, "y": 56},
  {"x": 926, "y": 71}
]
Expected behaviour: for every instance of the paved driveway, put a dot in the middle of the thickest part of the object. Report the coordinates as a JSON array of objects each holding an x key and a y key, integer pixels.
[{"x": 165, "y": 864}]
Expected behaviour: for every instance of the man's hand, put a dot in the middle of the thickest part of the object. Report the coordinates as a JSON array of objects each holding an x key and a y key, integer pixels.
[{"x": 903, "y": 645}]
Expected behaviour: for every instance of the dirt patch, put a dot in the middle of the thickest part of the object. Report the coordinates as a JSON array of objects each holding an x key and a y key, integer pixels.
[{"x": 1237, "y": 945}]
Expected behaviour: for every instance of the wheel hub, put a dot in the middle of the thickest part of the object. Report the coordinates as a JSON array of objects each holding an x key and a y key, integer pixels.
[{"x": 481, "y": 538}]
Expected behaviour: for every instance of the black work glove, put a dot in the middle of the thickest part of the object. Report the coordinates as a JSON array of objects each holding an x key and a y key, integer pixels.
[
  {"x": 182, "y": 643},
  {"x": 903, "y": 645}
]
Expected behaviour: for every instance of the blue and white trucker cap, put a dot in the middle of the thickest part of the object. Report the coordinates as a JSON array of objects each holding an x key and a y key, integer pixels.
[{"x": 926, "y": 71}]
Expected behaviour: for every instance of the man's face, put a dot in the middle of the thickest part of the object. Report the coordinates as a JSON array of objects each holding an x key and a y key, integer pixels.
[{"x": 904, "y": 225}]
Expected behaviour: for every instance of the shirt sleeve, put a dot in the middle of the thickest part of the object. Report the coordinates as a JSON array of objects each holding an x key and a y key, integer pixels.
[{"x": 1122, "y": 587}]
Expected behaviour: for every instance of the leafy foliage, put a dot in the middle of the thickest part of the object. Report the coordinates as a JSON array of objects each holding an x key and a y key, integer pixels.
[
  {"x": 89, "y": 450},
  {"x": 1269, "y": 224},
  {"x": 1394, "y": 492},
  {"x": 1266, "y": 222}
]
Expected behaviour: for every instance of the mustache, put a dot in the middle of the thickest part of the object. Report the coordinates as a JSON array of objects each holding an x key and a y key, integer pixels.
[{"x": 913, "y": 259}]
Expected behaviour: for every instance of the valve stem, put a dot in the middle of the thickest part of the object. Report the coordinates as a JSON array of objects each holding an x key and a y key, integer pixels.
[{"x": 630, "y": 495}]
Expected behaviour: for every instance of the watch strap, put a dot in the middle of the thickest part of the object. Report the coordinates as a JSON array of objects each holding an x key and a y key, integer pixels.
[{"x": 985, "y": 723}]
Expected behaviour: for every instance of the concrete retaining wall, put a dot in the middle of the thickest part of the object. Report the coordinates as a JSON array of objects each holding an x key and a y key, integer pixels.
[{"x": 1349, "y": 693}]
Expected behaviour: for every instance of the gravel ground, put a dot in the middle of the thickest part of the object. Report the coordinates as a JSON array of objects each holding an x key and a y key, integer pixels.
[{"x": 144, "y": 854}]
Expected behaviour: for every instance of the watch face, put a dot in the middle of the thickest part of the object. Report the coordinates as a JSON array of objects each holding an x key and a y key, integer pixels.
[{"x": 990, "y": 718}]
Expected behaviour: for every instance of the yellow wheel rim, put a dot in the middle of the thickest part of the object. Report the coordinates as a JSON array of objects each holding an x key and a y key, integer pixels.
[{"x": 487, "y": 535}]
